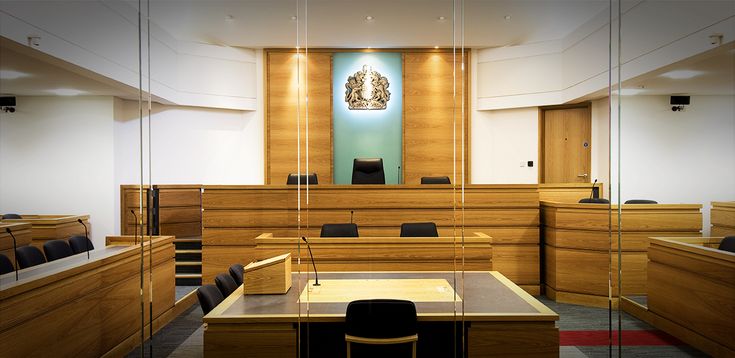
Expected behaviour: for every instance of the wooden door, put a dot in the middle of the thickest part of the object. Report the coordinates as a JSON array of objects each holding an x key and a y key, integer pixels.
[{"x": 566, "y": 145}]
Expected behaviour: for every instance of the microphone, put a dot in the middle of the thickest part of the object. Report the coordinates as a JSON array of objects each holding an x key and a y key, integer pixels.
[
  {"x": 15, "y": 252},
  {"x": 86, "y": 236},
  {"x": 312, "y": 261},
  {"x": 352, "y": 213},
  {"x": 399, "y": 174},
  {"x": 135, "y": 227},
  {"x": 593, "y": 189}
]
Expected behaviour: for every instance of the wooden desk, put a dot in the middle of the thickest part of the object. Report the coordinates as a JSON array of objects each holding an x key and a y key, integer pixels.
[
  {"x": 566, "y": 192},
  {"x": 511, "y": 323},
  {"x": 79, "y": 307},
  {"x": 722, "y": 218},
  {"x": 52, "y": 227},
  {"x": 691, "y": 293},
  {"x": 235, "y": 215},
  {"x": 577, "y": 246},
  {"x": 23, "y": 237}
]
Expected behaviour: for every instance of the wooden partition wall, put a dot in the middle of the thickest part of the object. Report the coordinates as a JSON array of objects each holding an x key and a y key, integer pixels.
[
  {"x": 180, "y": 209},
  {"x": 722, "y": 217},
  {"x": 429, "y": 118}
]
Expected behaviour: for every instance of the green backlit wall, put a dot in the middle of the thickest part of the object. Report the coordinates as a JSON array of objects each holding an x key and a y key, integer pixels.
[{"x": 367, "y": 133}]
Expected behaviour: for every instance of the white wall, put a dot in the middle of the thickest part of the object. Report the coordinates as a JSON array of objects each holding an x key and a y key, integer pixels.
[
  {"x": 676, "y": 157},
  {"x": 56, "y": 158}
]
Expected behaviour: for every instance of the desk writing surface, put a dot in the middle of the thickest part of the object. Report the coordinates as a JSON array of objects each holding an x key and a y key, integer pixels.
[{"x": 486, "y": 296}]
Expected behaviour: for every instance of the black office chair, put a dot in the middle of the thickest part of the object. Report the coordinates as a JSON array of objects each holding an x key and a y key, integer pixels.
[
  {"x": 381, "y": 322},
  {"x": 339, "y": 230},
  {"x": 226, "y": 284},
  {"x": 56, "y": 249},
  {"x": 419, "y": 230},
  {"x": 368, "y": 171},
  {"x": 28, "y": 256},
  {"x": 727, "y": 244},
  {"x": 11, "y": 216},
  {"x": 293, "y": 179},
  {"x": 435, "y": 180},
  {"x": 640, "y": 201},
  {"x": 80, "y": 244},
  {"x": 236, "y": 271},
  {"x": 5, "y": 265},
  {"x": 594, "y": 201},
  {"x": 209, "y": 297}
]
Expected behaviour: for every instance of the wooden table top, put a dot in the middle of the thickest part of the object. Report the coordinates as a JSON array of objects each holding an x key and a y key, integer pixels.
[{"x": 484, "y": 296}]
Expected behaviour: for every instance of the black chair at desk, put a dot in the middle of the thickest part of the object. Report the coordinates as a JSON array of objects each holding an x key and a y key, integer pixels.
[
  {"x": 727, "y": 244},
  {"x": 209, "y": 297},
  {"x": 339, "y": 230},
  {"x": 293, "y": 179},
  {"x": 374, "y": 324},
  {"x": 436, "y": 180},
  {"x": 368, "y": 171},
  {"x": 56, "y": 249},
  {"x": 419, "y": 230},
  {"x": 225, "y": 283},
  {"x": 80, "y": 244},
  {"x": 5, "y": 265},
  {"x": 237, "y": 271},
  {"x": 594, "y": 201},
  {"x": 28, "y": 256},
  {"x": 11, "y": 216},
  {"x": 640, "y": 201}
]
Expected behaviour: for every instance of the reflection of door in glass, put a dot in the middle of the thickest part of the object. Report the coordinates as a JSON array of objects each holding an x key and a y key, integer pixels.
[{"x": 566, "y": 145}]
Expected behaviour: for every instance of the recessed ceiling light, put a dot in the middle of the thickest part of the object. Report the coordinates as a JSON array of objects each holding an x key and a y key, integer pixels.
[
  {"x": 66, "y": 92},
  {"x": 436, "y": 47},
  {"x": 506, "y": 17},
  {"x": 369, "y": 18},
  {"x": 293, "y": 18},
  {"x": 682, "y": 74},
  {"x": 629, "y": 91},
  {"x": 11, "y": 75},
  {"x": 441, "y": 18},
  {"x": 229, "y": 18},
  {"x": 370, "y": 47}
]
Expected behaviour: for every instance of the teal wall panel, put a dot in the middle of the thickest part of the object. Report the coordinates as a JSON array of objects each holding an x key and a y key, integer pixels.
[{"x": 367, "y": 133}]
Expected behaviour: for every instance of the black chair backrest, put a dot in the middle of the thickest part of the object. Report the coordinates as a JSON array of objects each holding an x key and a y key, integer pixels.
[
  {"x": 11, "y": 216},
  {"x": 640, "y": 201},
  {"x": 419, "y": 230},
  {"x": 225, "y": 283},
  {"x": 339, "y": 230},
  {"x": 29, "y": 256},
  {"x": 80, "y": 244},
  {"x": 56, "y": 249},
  {"x": 236, "y": 271},
  {"x": 209, "y": 297},
  {"x": 727, "y": 244},
  {"x": 435, "y": 180},
  {"x": 381, "y": 318},
  {"x": 293, "y": 179},
  {"x": 5, "y": 265},
  {"x": 368, "y": 171},
  {"x": 594, "y": 201}
]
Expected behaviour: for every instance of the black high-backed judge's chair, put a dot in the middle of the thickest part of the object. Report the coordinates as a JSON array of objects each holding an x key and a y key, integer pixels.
[
  {"x": 372, "y": 325},
  {"x": 419, "y": 230},
  {"x": 28, "y": 256},
  {"x": 339, "y": 230},
  {"x": 368, "y": 171},
  {"x": 56, "y": 249},
  {"x": 436, "y": 180},
  {"x": 293, "y": 179}
]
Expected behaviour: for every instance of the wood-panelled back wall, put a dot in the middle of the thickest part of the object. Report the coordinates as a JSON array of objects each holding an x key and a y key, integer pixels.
[{"x": 429, "y": 116}]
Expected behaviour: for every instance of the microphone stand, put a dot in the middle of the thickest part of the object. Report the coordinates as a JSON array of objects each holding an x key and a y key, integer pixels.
[
  {"x": 86, "y": 236},
  {"x": 135, "y": 227},
  {"x": 352, "y": 213},
  {"x": 15, "y": 251},
  {"x": 316, "y": 274},
  {"x": 592, "y": 192}
]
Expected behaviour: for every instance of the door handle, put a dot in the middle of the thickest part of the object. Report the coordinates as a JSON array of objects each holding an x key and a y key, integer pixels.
[{"x": 582, "y": 175}]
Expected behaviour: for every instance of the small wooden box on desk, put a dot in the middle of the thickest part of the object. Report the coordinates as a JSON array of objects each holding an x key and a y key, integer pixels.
[{"x": 268, "y": 277}]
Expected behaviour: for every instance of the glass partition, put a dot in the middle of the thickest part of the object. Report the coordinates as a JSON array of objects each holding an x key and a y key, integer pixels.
[{"x": 675, "y": 145}]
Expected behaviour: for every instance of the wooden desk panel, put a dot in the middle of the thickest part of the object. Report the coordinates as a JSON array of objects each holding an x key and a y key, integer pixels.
[
  {"x": 23, "y": 237},
  {"x": 566, "y": 193},
  {"x": 577, "y": 246},
  {"x": 180, "y": 209},
  {"x": 92, "y": 306},
  {"x": 52, "y": 227},
  {"x": 722, "y": 218}
]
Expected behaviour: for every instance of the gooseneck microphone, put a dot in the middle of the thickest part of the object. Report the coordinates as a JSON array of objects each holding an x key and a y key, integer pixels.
[
  {"x": 135, "y": 227},
  {"x": 316, "y": 283},
  {"x": 86, "y": 236},
  {"x": 592, "y": 192},
  {"x": 399, "y": 174},
  {"x": 15, "y": 252},
  {"x": 352, "y": 213}
]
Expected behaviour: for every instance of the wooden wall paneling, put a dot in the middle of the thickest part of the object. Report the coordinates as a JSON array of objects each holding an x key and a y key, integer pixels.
[
  {"x": 180, "y": 209},
  {"x": 504, "y": 339},
  {"x": 23, "y": 237},
  {"x": 283, "y": 121},
  {"x": 722, "y": 218}
]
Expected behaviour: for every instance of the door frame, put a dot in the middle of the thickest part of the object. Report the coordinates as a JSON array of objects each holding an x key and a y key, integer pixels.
[{"x": 542, "y": 135}]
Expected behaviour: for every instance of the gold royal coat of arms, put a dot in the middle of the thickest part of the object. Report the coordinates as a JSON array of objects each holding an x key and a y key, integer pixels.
[{"x": 367, "y": 89}]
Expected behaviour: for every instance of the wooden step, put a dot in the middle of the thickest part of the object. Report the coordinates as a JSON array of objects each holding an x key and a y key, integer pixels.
[
  {"x": 188, "y": 239},
  {"x": 188, "y": 275},
  {"x": 188, "y": 263},
  {"x": 189, "y": 251}
]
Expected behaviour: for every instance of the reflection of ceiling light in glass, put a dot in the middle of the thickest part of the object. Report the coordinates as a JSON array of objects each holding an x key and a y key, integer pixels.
[
  {"x": 11, "y": 75},
  {"x": 629, "y": 91},
  {"x": 66, "y": 92},
  {"x": 682, "y": 74}
]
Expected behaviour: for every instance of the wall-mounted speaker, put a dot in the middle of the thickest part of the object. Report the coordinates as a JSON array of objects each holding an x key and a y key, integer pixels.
[
  {"x": 679, "y": 100},
  {"x": 7, "y": 101}
]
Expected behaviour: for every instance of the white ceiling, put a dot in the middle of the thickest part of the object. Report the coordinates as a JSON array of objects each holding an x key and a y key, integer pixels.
[{"x": 396, "y": 23}]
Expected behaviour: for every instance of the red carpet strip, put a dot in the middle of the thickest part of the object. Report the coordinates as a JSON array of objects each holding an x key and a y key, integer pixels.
[{"x": 630, "y": 338}]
